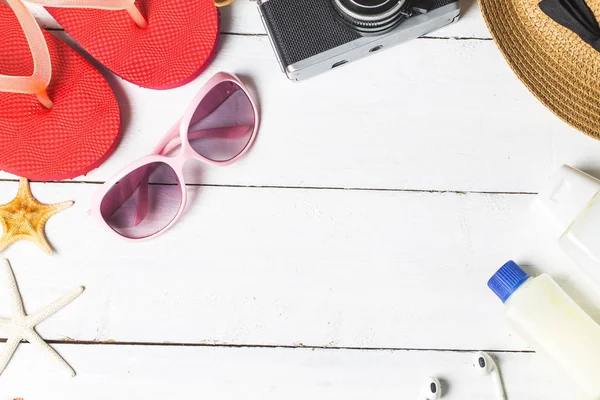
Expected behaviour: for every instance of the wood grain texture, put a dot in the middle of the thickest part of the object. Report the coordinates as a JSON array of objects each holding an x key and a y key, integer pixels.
[
  {"x": 273, "y": 252},
  {"x": 153, "y": 373},
  {"x": 332, "y": 268},
  {"x": 433, "y": 117}
]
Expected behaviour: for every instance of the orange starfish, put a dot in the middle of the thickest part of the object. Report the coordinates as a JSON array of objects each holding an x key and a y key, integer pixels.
[{"x": 24, "y": 218}]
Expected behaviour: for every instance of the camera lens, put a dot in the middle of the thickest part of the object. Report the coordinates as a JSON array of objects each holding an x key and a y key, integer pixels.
[{"x": 372, "y": 17}]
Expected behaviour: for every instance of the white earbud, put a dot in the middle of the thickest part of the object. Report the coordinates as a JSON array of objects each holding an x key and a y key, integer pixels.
[
  {"x": 485, "y": 365},
  {"x": 431, "y": 390}
]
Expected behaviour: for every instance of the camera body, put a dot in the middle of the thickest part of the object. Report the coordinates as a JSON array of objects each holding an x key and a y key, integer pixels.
[{"x": 313, "y": 36}]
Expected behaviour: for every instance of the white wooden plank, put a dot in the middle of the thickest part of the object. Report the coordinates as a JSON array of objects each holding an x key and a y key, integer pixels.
[
  {"x": 266, "y": 266},
  {"x": 156, "y": 372},
  {"x": 444, "y": 115},
  {"x": 290, "y": 267},
  {"x": 470, "y": 25},
  {"x": 242, "y": 17}
]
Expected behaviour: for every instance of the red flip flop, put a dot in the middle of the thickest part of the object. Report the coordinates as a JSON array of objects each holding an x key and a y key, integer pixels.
[
  {"x": 58, "y": 117},
  {"x": 157, "y": 44}
]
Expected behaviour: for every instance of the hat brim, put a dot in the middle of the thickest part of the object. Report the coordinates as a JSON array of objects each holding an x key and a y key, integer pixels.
[{"x": 559, "y": 68}]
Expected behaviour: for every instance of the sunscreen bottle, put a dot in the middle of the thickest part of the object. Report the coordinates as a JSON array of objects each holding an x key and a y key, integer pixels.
[{"x": 553, "y": 325}]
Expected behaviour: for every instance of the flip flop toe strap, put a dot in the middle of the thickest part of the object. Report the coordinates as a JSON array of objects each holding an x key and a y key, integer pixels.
[
  {"x": 127, "y": 5},
  {"x": 39, "y": 80}
]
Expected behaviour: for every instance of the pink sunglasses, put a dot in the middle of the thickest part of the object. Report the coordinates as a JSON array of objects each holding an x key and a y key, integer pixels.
[{"x": 148, "y": 197}]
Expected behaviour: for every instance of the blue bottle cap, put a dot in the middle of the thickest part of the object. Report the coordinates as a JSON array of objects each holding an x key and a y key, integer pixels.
[{"x": 507, "y": 280}]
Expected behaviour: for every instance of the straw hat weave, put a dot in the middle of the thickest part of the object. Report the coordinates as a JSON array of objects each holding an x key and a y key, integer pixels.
[{"x": 557, "y": 66}]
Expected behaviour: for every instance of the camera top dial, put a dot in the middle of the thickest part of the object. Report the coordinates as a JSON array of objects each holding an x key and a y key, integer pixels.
[{"x": 372, "y": 17}]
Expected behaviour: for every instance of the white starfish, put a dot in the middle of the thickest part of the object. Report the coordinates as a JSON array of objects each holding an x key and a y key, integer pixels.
[{"x": 22, "y": 326}]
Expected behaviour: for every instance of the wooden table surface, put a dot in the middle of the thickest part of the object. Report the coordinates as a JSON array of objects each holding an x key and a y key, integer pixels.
[{"x": 345, "y": 257}]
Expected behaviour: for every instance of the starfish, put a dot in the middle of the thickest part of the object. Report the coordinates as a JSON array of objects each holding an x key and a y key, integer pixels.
[
  {"x": 24, "y": 218},
  {"x": 22, "y": 326}
]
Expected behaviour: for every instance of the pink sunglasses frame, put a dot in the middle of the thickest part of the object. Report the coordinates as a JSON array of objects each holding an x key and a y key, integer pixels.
[{"x": 177, "y": 136}]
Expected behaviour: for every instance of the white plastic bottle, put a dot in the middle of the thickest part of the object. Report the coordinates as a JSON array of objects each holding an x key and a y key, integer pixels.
[
  {"x": 553, "y": 325},
  {"x": 573, "y": 201}
]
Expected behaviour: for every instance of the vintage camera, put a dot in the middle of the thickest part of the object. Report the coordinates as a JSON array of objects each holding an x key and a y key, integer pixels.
[{"x": 314, "y": 36}]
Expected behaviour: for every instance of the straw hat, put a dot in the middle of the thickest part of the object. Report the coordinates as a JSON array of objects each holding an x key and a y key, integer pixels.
[{"x": 558, "y": 67}]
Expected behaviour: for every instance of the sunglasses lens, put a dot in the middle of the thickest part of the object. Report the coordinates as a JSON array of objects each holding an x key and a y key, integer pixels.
[
  {"x": 222, "y": 125},
  {"x": 144, "y": 202}
]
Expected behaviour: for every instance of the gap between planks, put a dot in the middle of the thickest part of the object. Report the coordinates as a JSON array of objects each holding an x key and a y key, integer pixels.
[
  {"x": 275, "y": 346},
  {"x": 283, "y": 187},
  {"x": 264, "y": 35}
]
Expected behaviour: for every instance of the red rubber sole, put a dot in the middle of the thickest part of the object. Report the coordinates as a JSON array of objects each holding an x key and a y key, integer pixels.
[
  {"x": 173, "y": 49},
  {"x": 74, "y": 137}
]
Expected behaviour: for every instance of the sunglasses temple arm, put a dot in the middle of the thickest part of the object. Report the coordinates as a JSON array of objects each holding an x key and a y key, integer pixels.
[
  {"x": 172, "y": 140},
  {"x": 124, "y": 191},
  {"x": 141, "y": 207},
  {"x": 229, "y": 132}
]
